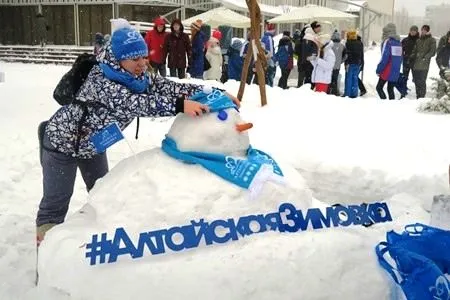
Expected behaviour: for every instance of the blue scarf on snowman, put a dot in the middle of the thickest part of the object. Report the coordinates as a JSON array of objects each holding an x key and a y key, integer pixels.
[{"x": 247, "y": 173}]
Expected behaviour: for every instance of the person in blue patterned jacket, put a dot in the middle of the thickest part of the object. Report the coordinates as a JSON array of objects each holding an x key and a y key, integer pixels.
[{"x": 117, "y": 90}]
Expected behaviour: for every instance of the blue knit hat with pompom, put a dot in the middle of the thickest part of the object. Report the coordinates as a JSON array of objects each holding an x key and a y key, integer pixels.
[{"x": 127, "y": 43}]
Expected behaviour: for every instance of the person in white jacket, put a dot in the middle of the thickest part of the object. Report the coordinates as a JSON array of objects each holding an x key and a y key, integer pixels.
[
  {"x": 214, "y": 57},
  {"x": 323, "y": 64}
]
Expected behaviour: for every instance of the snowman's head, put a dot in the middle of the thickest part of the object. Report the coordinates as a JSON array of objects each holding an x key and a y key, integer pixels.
[{"x": 220, "y": 131}]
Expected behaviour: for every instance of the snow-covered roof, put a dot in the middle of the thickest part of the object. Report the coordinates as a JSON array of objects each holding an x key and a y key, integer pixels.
[
  {"x": 309, "y": 13},
  {"x": 221, "y": 16},
  {"x": 354, "y": 8},
  {"x": 268, "y": 10}
]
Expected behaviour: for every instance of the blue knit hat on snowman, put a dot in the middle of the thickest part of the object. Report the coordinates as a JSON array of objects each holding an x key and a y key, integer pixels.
[{"x": 128, "y": 43}]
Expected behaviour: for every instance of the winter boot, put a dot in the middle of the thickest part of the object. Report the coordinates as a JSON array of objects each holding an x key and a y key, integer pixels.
[{"x": 41, "y": 231}]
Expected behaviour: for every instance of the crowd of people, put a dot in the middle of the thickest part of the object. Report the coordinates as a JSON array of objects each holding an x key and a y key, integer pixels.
[
  {"x": 116, "y": 88},
  {"x": 320, "y": 57},
  {"x": 319, "y": 60}
]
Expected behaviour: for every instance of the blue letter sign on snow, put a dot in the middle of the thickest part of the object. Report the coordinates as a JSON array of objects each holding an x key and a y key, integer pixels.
[
  {"x": 231, "y": 229},
  {"x": 107, "y": 137}
]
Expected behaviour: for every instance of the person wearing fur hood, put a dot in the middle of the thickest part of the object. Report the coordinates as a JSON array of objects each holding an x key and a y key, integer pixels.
[
  {"x": 323, "y": 65},
  {"x": 310, "y": 47},
  {"x": 388, "y": 68},
  {"x": 214, "y": 57}
]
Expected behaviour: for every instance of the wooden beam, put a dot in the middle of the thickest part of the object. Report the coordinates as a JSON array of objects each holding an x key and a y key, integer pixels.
[{"x": 259, "y": 55}]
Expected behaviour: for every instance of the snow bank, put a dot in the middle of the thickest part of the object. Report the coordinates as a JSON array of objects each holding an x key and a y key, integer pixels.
[{"x": 153, "y": 191}]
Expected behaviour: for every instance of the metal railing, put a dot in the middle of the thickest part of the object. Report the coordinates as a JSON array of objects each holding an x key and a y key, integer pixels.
[{"x": 145, "y": 26}]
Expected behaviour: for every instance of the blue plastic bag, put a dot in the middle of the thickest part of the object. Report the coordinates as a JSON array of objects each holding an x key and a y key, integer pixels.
[
  {"x": 431, "y": 242},
  {"x": 420, "y": 278}
]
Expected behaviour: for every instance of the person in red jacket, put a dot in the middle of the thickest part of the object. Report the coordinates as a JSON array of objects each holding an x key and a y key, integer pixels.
[{"x": 155, "y": 43}]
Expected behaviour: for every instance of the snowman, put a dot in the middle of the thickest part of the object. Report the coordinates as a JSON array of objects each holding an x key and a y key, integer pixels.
[{"x": 206, "y": 170}]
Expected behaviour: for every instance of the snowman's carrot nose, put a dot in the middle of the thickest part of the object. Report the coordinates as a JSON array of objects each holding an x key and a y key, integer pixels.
[{"x": 243, "y": 127}]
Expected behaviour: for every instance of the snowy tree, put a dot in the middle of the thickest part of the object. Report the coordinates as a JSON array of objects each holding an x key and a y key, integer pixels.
[{"x": 441, "y": 101}]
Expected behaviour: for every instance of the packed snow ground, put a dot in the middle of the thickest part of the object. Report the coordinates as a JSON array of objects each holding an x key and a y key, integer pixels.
[{"x": 348, "y": 150}]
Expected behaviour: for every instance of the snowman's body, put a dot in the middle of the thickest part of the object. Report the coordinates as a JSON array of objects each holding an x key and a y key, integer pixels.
[{"x": 156, "y": 192}]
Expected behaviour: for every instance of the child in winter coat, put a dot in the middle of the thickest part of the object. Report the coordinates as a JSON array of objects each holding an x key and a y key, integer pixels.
[
  {"x": 235, "y": 60},
  {"x": 323, "y": 65},
  {"x": 214, "y": 57},
  {"x": 391, "y": 61},
  {"x": 284, "y": 58},
  {"x": 116, "y": 91}
]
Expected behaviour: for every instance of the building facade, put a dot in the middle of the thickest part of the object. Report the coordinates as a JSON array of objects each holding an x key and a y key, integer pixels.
[
  {"x": 75, "y": 22},
  {"x": 373, "y": 15},
  {"x": 437, "y": 17}
]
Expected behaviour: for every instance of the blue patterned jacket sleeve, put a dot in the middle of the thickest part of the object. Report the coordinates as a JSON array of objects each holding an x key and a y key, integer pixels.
[
  {"x": 160, "y": 100},
  {"x": 170, "y": 87}
]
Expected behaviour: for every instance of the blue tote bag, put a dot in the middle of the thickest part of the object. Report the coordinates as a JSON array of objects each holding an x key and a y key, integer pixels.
[
  {"x": 431, "y": 242},
  {"x": 418, "y": 276}
]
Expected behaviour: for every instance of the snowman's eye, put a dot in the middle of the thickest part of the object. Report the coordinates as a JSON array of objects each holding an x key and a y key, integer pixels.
[{"x": 222, "y": 115}]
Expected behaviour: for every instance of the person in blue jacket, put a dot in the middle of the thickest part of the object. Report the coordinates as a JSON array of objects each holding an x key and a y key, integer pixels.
[
  {"x": 388, "y": 68},
  {"x": 235, "y": 60},
  {"x": 284, "y": 58},
  {"x": 116, "y": 91},
  {"x": 198, "y": 45}
]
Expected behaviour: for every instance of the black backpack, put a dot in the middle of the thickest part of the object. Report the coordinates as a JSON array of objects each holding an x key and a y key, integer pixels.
[
  {"x": 72, "y": 81},
  {"x": 67, "y": 88}
]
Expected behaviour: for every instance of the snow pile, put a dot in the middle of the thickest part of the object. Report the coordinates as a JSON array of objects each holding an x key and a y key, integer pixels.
[
  {"x": 140, "y": 197},
  {"x": 153, "y": 191}
]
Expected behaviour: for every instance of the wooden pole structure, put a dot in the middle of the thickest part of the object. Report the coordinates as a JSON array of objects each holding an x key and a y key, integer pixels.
[{"x": 258, "y": 54}]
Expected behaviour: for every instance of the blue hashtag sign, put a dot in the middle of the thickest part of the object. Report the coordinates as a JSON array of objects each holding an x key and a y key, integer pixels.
[
  {"x": 98, "y": 248},
  {"x": 286, "y": 219}
]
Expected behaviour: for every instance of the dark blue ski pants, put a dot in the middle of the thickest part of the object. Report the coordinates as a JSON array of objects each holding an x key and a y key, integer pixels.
[
  {"x": 59, "y": 171},
  {"x": 351, "y": 81}
]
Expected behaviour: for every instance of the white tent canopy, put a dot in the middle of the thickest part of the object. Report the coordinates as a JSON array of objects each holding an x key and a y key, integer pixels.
[
  {"x": 266, "y": 10},
  {"x": 220, "y": 16},
  {"x": 356, "y": 8},
  {"x": 310, "y": 13}
]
